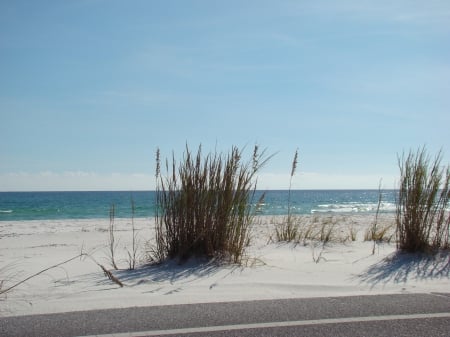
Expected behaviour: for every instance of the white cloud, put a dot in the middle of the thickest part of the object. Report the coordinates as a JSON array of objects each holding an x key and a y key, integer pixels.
[
  {"x": 313, "y": 180},
  {"x": 75, "y": 181},
  {"x": 90, "y": 181}
]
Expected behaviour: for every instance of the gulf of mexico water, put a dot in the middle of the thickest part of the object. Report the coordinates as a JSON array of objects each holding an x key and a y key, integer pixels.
[{"x": 20, "y": 206}]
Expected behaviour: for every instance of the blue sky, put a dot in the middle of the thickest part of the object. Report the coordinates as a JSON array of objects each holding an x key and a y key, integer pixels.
[{"x": 90, "y": 88}]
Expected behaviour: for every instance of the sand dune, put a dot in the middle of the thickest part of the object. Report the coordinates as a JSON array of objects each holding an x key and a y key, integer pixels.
[{"x": 269, "y": 270}]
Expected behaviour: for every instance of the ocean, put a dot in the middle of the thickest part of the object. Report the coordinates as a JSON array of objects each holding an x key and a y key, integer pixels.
[{"x": 19, "y": 206}]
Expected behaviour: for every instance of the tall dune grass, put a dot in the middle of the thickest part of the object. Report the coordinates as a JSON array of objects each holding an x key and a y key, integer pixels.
[
  {"x": 422, "y": 216},
  {"x": 205, "y": 204},
  {"x": 289, "y": 230}
]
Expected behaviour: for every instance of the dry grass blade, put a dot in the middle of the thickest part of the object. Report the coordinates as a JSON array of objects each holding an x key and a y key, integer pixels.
[
  {"x": 110, "y": 276},
  {"x": 133, "y": 254},
  {"x": 293, "y": 168},
  {"x": 112, "y": 245},
  {"x": 8, "y": 289},
  {"x": 289, "y": 230}
]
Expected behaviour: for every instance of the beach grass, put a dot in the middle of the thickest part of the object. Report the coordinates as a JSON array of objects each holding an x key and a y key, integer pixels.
[
  {"x": 379, "y": 233},
  {"x": 205, "y": 204},
  {"x": 352, "y": 232},
  {"x": 422, "y": 218},
  {"x": 133, "y": 254},
  {"x": 305, "y": 229},
  {"x": 289, "y": 230},
  {"x": 112, "y": 244}
]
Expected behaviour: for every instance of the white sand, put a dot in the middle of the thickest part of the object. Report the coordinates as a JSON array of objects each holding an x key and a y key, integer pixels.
[{"x": 271, "y": 270}]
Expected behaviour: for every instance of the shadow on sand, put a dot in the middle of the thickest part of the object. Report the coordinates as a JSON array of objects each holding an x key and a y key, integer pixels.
[
  {"x": 402, "y": 267},
  {"x": 171, "y": 271}
]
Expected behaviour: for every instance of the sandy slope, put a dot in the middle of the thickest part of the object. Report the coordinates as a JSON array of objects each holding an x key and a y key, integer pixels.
[{"x": 270, "y": 270}]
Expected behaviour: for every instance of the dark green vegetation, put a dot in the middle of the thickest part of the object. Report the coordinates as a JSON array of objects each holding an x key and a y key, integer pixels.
[
  {"x": 422, "y": 216},
  {"x": 205, "y": 204}
]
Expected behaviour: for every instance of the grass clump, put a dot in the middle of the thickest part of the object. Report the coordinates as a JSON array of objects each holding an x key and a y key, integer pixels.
[
  {"x": 352, "y": 233},
  {"x": 304, "y": 230},
  {"x": 204, "y": 204},
  {"x": 378, "y": 233},
  {"x": 422, "y": 216},
  {"x": 290, "y": 230}
]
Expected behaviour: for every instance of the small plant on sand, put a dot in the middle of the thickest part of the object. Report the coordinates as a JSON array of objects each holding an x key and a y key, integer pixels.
[
  {"x": 376, "y": 233},
  {"x": 352, "y": 233},
  {"x": 288, "y": 231},
  {"x": 325, "y": 229},
  {"x": 422, "y": 217},
  {"x": 133, "y": 254},
  {"x": 327, "y": 233},
  {"x": 204, "y": 205},
  {"x": 112, "y": 245},
  {"x": 379, "y": 234},
  {"x": 306, "y": 230},
  {"x": 323, "y": 233}
]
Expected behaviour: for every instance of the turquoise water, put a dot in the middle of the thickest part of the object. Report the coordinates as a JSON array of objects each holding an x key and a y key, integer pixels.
[{"x": 87, "y": 205}]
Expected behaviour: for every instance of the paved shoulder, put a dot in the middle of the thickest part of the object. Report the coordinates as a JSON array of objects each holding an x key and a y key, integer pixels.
[{"x": 425, "y": 310}]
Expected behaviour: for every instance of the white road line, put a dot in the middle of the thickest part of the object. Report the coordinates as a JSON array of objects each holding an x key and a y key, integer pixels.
[{"x": 274, "y": 325}]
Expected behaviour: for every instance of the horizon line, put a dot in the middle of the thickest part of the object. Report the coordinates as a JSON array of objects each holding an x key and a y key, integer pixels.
[{"x": 259, "y": 190}]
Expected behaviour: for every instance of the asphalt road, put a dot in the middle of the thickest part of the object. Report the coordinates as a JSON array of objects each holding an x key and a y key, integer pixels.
[{"x": 382, "y": 315}]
